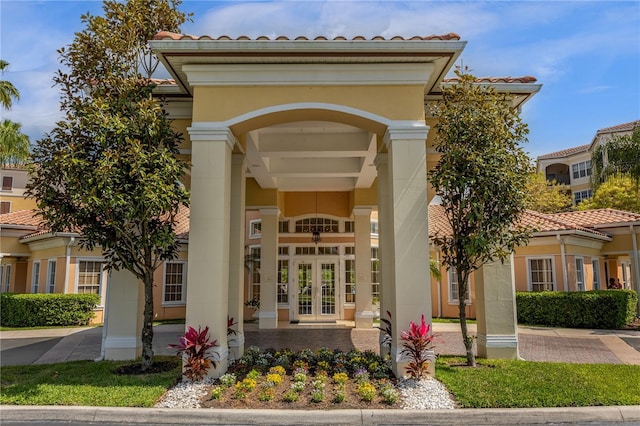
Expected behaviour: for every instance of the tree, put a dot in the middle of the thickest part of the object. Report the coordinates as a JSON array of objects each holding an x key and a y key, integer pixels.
[
  {"x": 619, "y": 155},
  {"x": 8, "y": 91},
  {"x": 548, "y": 196},
  {"x": 109, "y": 169},
  {"x": 617, "y": 192},
  {"x": 481, "y": 177},
  {"x": 14, "y": 145}
]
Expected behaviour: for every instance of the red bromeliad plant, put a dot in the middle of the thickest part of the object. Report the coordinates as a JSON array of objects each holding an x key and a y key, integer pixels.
[
  {"x": 417, "y": 343},
  {"x": 195, "y": 344}
]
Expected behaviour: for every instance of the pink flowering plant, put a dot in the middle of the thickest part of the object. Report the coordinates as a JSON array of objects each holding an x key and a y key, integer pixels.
[
  {"x": 194, "y": 344},
  {"x": 417, "y": 343}
]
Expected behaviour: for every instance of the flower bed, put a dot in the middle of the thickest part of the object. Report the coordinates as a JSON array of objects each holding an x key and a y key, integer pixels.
[{"x": 323, "y": 379}]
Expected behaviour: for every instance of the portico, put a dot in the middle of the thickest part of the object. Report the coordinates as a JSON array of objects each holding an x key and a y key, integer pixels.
[{"x": 308, "y": 132}]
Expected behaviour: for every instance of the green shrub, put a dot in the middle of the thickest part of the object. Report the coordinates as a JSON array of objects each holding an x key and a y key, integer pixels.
[
  {"x": 39, "y": 310},
  {"x": 600, "y": 309}
]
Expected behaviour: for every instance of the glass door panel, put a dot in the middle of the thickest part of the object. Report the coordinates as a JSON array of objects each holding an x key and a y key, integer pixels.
[
  {"x": 305, "y": 288},
  {"x": 328, "y": 292}
]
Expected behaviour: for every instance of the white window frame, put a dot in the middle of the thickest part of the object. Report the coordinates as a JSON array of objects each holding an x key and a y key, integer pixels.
[
  {"x": 7, "y": 278},
  {"x": 280, "y": 294},
  {"x": 183, "y": 292},
  {"x": 553, "y": 272},
  {"x": 375, "y": 230},
  {"x": 375, "y": 271},
  {"x": 35, "y": 276},
  {"x": 101, "y": 285},
  {"x": 252, "y": 229},
  {"x": 595, "y": 265},
  {"x": 253, "y": 273},
  {"x": 580, "y": 284},
  {"x": 580, "y": 196},
  {"x": 10, "y": 187},
  {"x": 581, "y": 169},
  {"x": 452, "y": 300},
  {"x": 51, "y": 278}
]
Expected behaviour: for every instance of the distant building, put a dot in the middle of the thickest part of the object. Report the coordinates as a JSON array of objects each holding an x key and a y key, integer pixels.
[
  {"x": 14, "y": 183},
  {"x": 572, "y": 166}
]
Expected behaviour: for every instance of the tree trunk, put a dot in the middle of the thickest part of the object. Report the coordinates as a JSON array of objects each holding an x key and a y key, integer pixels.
[
  {"x": 147, "y": 325},
  {"x": 463, "y": 285}
]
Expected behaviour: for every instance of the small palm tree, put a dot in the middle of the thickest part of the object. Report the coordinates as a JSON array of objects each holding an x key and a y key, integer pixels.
[{"x": 8, "y": 91}]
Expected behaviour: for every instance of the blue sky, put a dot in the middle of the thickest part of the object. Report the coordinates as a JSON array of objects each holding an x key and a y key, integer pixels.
[{"x": 586, "y": 54}]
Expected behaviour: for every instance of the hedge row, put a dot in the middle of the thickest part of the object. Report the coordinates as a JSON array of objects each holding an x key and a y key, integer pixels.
[
  {"x": 35, "y": 310},
  {"x": 600, "y": 309}
]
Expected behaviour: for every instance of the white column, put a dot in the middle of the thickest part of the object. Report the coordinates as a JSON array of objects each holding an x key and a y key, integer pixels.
[
  {"x": 496, "y": 310},
  {"x": 236, "y": 255},
  {"x": 123, "y": 316},
  {"x": 364, "y": 297},
  {"x": 387, "y": 294},
  {"x": 269, "y": 268},
  {"x": 408, "y": 249},
  {"x": 208, "y": 279}
]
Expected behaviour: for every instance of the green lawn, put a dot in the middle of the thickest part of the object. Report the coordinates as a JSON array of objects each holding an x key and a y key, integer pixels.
[
  {"x": 83, "y": 383},
  {"x": 505, "y": 383},
  {"x": 495, "y": 383}
]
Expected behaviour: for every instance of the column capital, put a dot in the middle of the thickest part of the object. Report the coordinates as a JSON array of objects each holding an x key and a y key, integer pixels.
[
  {"x": 211, "y": 132},
  {"x": 405, "y": 130},
  {"x": 382, "y": 159},
  {"x": 238, "y": 159},
  {"x": 362, "y": 211},
  {"x": 270, "y": 211}
]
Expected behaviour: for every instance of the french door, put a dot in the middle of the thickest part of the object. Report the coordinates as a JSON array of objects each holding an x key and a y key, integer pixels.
[{"x": 316, "y": 287}]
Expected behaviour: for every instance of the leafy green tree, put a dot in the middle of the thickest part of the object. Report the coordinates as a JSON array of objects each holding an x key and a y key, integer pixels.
[
  {"x": 619, "y": 155},
  {"x": 481, "y": 177},
  {"x": 8, "y": 91},
  {"x": 546, "y": 196},
  {"x": 617, "y": 192},
  {"x": 109, "y": 169}
]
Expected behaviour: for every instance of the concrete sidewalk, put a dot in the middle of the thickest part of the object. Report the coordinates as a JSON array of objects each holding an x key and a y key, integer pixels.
[{"x": 535, "y": 343}]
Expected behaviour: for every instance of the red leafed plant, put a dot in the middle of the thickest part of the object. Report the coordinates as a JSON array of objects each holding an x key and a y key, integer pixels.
[
  {"x": 195, "y": 344},
  {"x": 417, "y": 343}
]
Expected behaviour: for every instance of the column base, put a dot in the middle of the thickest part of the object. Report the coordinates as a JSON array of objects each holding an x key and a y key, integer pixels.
[
  {"x": 122, "y": 348},
  {"x": 220, "y": 355},
  {"x": 364, "y": 319},
  {"x": 268, "y": 320},
  {"x": 399, "y": 363},
  {"x": 236, "y": 346},
  {"x": 497, "y": 346}
]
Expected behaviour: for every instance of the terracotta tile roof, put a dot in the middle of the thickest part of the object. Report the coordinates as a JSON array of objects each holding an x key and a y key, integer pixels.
[
  {"x": 565, "y": 152},
  {"x": 27, "y": 218},
  {"x": 542, "y": 223},
  {"x": 599, "y": 218},
  {"x": 181, "y": 226},
  {"x": 625, "y": 127},
  {"x": 524, "y": 79},
  {"x": 166, "y": 35}
]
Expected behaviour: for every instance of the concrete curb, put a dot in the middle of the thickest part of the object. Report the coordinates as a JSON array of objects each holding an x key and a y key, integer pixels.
[{"x": 508, "y": 416}]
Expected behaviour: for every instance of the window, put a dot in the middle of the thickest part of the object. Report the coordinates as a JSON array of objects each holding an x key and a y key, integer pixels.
[
  {"x": 454, "y": 288},
  {"x": 255, "y": 229},
  {"x": 175, "y": 281},
  {"x": 350, "y": 281},
  {"x": 35, "y": 277},
  {"x": 580, "y": 273},
  {"x": 283, "y": 227},
  {"x": 375, "y": 273},
  {"x": 582, "y": 169},
  {"x": 374, "y": 228},
  {"x": 254, "y": 253},
  {"x": 7, "y": 183},
  {"x": 349, "y": 226},
  {"x": 626, "y": 273},
  {"x": 51, "y": 276},
  {"x": 596, "y": 274},
  {"x": 89, "y": 277},
  {"x": 309, "y": 224},
  {"x": 350, "y": 250},
  {"x": 333, "y": 250},
  {"x": 580, "y": 196},
  {"x": 5, "y": 277},
  {"x": 541, "y": 274},
  {"x": 5, "y": 207},
  {"x": 302, "y": 251},
  {"x": 283, "y": 281}
]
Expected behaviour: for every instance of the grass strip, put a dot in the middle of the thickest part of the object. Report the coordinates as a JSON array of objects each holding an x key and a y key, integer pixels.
[
  {"x": 84, "y": 383},
  {"x": 526, "y": 384}
]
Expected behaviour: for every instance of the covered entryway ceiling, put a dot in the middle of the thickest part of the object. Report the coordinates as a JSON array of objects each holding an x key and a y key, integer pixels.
[{"x": 311, "y": 156}]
